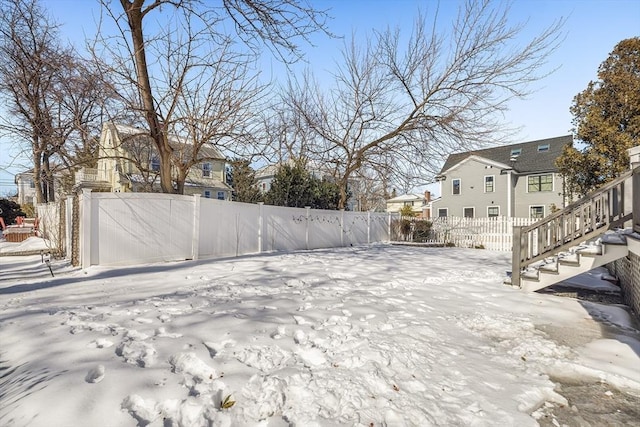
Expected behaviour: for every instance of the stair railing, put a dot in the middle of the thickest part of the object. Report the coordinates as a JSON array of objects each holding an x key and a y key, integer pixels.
[{"x": 598, "y": 211}]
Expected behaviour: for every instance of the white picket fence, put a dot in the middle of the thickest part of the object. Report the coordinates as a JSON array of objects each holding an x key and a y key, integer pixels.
[
  {"x": 489, "y": 233},
  {"x": 136, "y": 228}
]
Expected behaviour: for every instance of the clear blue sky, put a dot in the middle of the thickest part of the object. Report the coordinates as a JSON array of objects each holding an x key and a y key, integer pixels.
[{"x": 593, "y": 28}]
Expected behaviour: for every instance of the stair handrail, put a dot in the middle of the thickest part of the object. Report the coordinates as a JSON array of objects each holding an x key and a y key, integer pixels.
[{"x": 554, "y": 236}]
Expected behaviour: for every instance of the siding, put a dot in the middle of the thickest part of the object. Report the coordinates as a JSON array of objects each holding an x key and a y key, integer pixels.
[{"x": 472, "y": 192}]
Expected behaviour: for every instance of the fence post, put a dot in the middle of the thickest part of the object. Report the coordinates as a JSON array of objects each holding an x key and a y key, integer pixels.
[
  {"x": 635, "y": 202},
  {"x": 389, "y": 226},
  {"x": 195, "y": 237},
  {"x": 306, "y": 228},
  {"x": 85, "y": 228},
  {"x": 368, "y": 227},
  {"x": 260, "y": 212},
  {"x": 341, "y": 227},
  {"x": 515, "y": 256},
  {"x": 68, "y": 227}
]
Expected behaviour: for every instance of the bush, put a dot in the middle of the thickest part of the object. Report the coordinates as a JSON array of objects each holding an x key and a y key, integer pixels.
[
  {"x": 29, "y": 210},
  {"x": 421, "y": 230},
  {"x": 9, "y": 210}
]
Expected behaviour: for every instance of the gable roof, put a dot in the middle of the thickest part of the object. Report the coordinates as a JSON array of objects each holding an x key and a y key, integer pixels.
[
  {"x": 128, "y": 135},
  {"x": 529, "y": 160},
  {"x": 406, "y": 197}
]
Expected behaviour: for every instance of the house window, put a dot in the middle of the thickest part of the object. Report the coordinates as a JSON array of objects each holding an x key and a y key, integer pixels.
[
  {"x": 455, "y": 185},
  {"x": 206, "y": 170},
  {"x": 543, "y": 147},
  {"x": 207, "y": 194},
  {"x": 155, "y": 164},
  {"x": 408, "y": 203},
  {"x": 488, "y": 184},
  {"x": 536, "y": 212},
  {"x": 220, "y": 195},
  {"x": 32, "y": 184},
  {"x": 442, "y": 212},
  {"x": 468, "y": 212},
  {"x": 536, "y": 183},
  {"x": 515, "y": 152},
  {"x": 493, "y": 211}
]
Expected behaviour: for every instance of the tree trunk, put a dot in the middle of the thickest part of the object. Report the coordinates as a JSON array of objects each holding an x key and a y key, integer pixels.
[{"x": 156, "y": 129}]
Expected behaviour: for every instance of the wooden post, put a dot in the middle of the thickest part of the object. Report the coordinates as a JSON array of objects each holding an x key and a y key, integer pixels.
[
  {"x": 635, "y": 202},
  {"x": 516, "y": 256}
]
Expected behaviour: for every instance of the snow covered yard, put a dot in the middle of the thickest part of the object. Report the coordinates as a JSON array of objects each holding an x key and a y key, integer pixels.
[{"x": 362, "y": 336}]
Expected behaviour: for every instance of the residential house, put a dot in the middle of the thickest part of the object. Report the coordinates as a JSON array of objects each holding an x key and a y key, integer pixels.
[
  {"x": 27, "y": 188},
  {"x": 264, "y": 177},
  {"x": 420, "y": 204},
  {"x": 128, "y": 163},
  {"x": 518, "y": 180}
]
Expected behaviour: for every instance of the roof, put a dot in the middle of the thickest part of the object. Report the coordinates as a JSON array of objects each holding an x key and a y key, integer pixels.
[
  {"x": 206, "y": 151},
  {"x": 529, "y": 160},
  {"x": 406, "y": 197}
]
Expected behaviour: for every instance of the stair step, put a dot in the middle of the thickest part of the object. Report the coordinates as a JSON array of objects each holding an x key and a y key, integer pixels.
[
  {"x": 572, "y": 259},
  {"x": 531, "y": 275},
  {"x": 549, "y": 268},
  {"x": 591, "y": 250}
]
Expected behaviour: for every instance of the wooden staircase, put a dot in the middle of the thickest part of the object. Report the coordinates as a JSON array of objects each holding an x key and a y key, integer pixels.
[{"x": 586, "y": 234}]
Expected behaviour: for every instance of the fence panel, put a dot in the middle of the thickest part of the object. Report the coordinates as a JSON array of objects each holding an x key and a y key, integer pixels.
[
  {"x": 228, "y": 229},
  {"x": 132, "y": 228},
  {"x": 380, "y": 227},
  {"x": 283, "y": 229},
  {"x": 355, "y": 228},
  {"x": 324, "y": 228}
]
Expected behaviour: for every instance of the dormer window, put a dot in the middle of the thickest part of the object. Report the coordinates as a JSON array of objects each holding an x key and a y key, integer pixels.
[{"x": 543, "y": 147}]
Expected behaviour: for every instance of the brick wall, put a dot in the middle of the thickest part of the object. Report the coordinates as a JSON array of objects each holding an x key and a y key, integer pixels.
[{"x": 627, "y": 270}]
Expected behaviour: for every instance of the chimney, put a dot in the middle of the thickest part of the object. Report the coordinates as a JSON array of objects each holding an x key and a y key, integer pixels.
[{"x": 427, "y": 196}]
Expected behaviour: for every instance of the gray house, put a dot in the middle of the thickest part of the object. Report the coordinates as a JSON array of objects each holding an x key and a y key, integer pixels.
[{"x": 518, "y": 180}]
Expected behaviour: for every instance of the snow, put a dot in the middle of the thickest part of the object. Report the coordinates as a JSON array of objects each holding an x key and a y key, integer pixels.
[
  {"x": 359, "y": 336},
  {"x": 27, "y": 245}
]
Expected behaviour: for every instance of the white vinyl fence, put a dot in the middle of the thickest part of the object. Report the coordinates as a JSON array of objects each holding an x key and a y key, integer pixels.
[
  {"x": 135, "y": 228},
  {"x": 489, "y": 233}
]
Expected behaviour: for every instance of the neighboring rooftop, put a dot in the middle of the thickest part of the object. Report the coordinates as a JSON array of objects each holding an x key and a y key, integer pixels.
[{"x": 532, "y": 156}]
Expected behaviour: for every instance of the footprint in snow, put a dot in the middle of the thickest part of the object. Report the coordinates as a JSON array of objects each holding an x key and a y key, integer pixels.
[
  {"x": 137, "y": 353},
  {"x": 279, "y": 333},
  {"x": 95, "y": 375},
  {"x": 100, "y": 343},
  {"x": 299, "y": 337},
  {"x": 162, "y": 333},
  {"x": 300, "y": 320},
  {"x": 216, "y": 347}
]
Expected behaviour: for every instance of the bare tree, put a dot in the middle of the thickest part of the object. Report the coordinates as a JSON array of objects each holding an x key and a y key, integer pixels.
[
  {"x": 52, "y": 98},
  {"x": 30, "y": 62},
  {"x": 400, "y": 107},
  {"x": 159, "y": 93}
]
